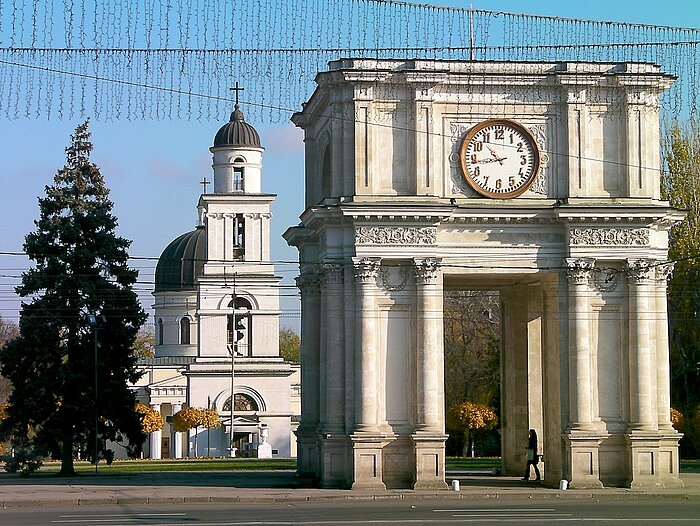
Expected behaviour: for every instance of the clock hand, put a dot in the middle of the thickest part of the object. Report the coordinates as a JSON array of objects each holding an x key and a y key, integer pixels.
[{"x": 495, "y": 155}]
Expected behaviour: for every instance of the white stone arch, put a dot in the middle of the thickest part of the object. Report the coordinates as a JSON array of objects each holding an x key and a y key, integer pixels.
[
  {"x": 225, "y": 301},
  {"x": 224, "y": 395}
]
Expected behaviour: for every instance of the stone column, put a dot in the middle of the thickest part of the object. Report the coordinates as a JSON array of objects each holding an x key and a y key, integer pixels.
[
  {"x": 642, "y": 407},
  {"x": 366, "y": 350},
  {"x": 367, "y": 440},
  {"x": 428, "y": 348},
  {"x": 579, "y": 272},
  {"x": 155, "y": 438},
  {"x": 177, "y": 435},
  {"x": 332, "y": 429},
  {"x": 307, "y": 453},
  {"x": 663, "y": 365},
  {"x": 429, "y": 438},
  {"x": 582, "y": 439}
]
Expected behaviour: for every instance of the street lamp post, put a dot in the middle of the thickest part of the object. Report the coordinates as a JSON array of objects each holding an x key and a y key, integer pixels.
[{"x": 92, "y": 321}]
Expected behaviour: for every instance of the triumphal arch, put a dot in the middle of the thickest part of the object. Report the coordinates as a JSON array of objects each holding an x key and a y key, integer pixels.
[{"x": 538, "y": 180}]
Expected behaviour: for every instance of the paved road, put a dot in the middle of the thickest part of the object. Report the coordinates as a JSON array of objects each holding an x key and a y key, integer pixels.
[{"x": 376, "y": 513}]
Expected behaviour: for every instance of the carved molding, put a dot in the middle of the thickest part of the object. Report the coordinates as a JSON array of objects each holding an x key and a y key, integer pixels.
[
  {"x": 395, "y": 235},
  {"x": 427, "y": 271},
  {"x": 332, "y": 273},
  {"x": 640, "y": 271},
  {"x": 606, "y": 279},
  {"x": 308, "y": 282},
  {"x": 609, "y": 236},
  {"x": 393, "y": 279},
  {"x": 366, "y": 270},
  {"x": 578, "y": 271},
  {"x": 664, "y": 271}
]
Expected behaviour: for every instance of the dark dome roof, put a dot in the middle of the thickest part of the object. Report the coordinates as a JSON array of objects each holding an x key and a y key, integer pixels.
[
  {"x": 181, "y": 262},
  {"x": 237, "y": 132}
]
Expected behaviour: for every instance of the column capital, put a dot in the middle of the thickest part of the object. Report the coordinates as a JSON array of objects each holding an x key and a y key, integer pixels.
[
  {"x": 366, "y": 269},
  {"x": 308, "y": 281},
  {"x": 578, "y": 270},
  {"x": 427, "y": 270},
  {"x": 331, "y": 273},
  {"x": 664, "y": 271},
  {"x": 640, "y": 271}
]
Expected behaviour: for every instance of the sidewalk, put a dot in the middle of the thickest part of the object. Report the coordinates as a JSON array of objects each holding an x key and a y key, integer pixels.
[{"x": 279, "y": 486}]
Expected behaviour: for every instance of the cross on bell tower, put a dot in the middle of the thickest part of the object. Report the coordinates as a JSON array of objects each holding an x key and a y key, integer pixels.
[{"x": 236, "y": 89}]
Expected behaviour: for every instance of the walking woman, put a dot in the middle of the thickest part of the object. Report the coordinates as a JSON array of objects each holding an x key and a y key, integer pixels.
[{"x": 532, "y": 457}]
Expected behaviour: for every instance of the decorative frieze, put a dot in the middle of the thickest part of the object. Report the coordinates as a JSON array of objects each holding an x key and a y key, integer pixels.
[
  {"x": 395, "y": 235},
  {"x": 609, "y": 236}
]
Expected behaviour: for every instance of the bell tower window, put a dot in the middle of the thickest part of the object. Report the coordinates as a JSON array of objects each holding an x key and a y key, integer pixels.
[
  {"x": 238, "y": 236},
  {"x": 238, "y": 175},
  {"x": 239, "y": 328},
  {"x": 159, "y": 332}
]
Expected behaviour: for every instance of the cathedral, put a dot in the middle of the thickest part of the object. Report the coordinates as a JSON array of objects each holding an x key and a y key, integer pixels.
[{"x": 216, "y": 315}]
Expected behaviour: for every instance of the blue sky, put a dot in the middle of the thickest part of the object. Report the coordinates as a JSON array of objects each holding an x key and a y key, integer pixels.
[{"x": 153, "y": 167}]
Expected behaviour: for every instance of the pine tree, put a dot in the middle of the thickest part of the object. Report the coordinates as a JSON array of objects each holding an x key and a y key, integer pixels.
[{"x": 80, "y": 271}]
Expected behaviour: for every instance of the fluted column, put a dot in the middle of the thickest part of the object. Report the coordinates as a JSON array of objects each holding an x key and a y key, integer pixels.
[
  {"x": 307, "y": 454},
  {"x": 663, "y": 365},
  {"x": 578, "y": 273},
  {"x": 640, "y": 280},
  {"x": 428, "y": 349},
  {"x": 332, "y": 351},
  {"x": 155, "y": 438},
  {"x": 177, "y": 435},
  {"x": 366, "y": 349}
]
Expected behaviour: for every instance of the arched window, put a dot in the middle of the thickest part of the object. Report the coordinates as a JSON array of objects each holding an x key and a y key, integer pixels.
[
  {"x": 243, "y": 402},
  {"x": 185, "y": 331},
  {"x": 239, "y": 332},
  {"x": 238, "y": 175},
  {"x": 159, "y": 331}
]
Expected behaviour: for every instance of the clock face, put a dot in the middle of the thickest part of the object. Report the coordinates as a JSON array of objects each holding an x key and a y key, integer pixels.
[{"x": 499, "y": 158}]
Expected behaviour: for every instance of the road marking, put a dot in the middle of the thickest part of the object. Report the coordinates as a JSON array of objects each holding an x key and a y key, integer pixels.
[
  {"x": 121, "y": 515},
  {"x": 515, "y": 510}
]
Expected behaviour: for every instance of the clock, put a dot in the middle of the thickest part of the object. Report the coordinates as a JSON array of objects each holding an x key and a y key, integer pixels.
[{"x": 499, "y": 158}]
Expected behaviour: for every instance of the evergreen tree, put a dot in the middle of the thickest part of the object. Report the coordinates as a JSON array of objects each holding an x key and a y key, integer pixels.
[{"x": 80, "y": 274}]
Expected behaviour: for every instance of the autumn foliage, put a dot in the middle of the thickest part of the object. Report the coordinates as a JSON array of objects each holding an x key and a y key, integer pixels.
[
  {"x": 151, "y": 420},
  {"x": 187, "y": 418}
]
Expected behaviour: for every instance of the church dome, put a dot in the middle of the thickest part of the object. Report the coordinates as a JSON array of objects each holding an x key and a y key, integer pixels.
[
  {"x": 237, "y": 132},
  {"x": 181, "y": 262}
]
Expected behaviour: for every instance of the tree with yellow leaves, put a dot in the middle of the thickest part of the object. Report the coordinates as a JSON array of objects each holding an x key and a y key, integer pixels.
[
  {"x": 210, "y": 420},
  {"x": 151, "y": 420},
  {"x": 188, "y": 418},
  {"x": 469, "y": 417}
]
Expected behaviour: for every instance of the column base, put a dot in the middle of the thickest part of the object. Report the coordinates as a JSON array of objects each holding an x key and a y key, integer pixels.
[
  {"x": 429, "y": 451},
  {"x": 367, "y": 461},
  {"x": 584, "y": 471},
  {"x": 334, "y": 460},
  {"x": 307, "y": 453},
  {"x": 654, "y": 461}
]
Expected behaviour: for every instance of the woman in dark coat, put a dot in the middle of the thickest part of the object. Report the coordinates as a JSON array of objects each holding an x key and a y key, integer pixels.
[{"x": 532, "y": 457}]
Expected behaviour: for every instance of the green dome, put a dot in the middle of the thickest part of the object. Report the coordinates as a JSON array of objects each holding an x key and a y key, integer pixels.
[{"x": 181, "y": 262}]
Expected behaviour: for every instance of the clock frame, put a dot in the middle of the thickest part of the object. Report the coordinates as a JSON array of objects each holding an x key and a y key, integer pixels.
[{"x": 499, "y": 158}]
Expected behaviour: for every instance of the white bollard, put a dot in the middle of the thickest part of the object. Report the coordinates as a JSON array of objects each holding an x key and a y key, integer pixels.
[
  {"x": 563, "y": 485},
  {"x": 455, "y": 485}
]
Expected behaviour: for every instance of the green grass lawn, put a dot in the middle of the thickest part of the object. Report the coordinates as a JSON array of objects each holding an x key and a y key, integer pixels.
[{"x": 247, "y": 464}]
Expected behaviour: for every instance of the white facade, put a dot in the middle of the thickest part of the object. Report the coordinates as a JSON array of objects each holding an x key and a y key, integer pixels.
[
  {"x": 579, "y": 259},
  {"x": 217, "y": 303}
]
